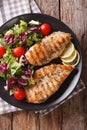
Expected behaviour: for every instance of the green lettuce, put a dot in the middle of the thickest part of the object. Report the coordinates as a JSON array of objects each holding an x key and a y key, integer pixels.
[
  {"x": 19, "y": 28},
  {"x": 33, "y": 37},
  {"x": 14, "y": 65}
]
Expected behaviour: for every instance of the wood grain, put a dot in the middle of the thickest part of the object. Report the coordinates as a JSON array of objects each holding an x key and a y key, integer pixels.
[
  {"x": 25, "y": 121},
  {"x": 50, "y": 7},
  {"x": 6, "y": 122},
  {"x": 74, "y": 15},
  {"x": 52, "y": 121},
  {"x": 72, "y": 115}
]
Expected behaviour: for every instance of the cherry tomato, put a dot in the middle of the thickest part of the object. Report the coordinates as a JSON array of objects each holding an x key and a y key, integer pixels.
[
  {"x": 45, "y": 29},
  {"x": 18, "y": 51},
  {"x": 19, "y": 94},
  {"x": 2, "y": 51}
]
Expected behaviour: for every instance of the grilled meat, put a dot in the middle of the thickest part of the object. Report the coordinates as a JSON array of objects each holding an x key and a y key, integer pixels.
[
  {"x": 48, "y": 80},
  {"x": 50, "y": 48}
]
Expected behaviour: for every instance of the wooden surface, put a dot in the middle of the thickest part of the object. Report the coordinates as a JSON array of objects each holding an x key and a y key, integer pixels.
[{"x": 72, "y": 115}]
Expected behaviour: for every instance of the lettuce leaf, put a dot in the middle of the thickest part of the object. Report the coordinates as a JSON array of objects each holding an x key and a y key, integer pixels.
[
  {"x": 14, "y": 65},
  {"x": 19, "y": 28}
]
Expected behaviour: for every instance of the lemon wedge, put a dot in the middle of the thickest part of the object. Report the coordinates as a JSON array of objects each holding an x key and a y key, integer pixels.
[
  {"x": 68, "y": 51},
  {"x": 75, "y": 61},
  {"x": 70, "y": 58}
]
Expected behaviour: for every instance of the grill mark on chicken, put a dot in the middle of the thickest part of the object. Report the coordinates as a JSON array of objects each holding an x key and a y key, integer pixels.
[
  {"x": 67, "y": 37},
  {"x": 50, "y": 48},
  {"x": 48, "y": 80},
  {"x": 59, "y": 42},
  {"x": 42, "y": 48},
  {"x": 47, "y": 52},
  {"x": 63, "y": 40},
  {"x": 35, "y": 54},
  {"x": 45, "y": 48},
  {"x": 56, "y": 46},
  {"x": 32, "y": 57},
  {"x": 42, "y": 53}
]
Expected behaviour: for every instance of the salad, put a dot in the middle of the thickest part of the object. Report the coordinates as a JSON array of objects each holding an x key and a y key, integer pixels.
[{"x": 14, "y": 43}]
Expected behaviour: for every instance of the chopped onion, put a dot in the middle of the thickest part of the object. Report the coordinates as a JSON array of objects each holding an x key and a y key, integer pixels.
[
  {"x": 4, "y": 67},
  {"x": 9, "y": 38},
  {"x": 22, "y": 82},
  {"x": 28, "y": 72},
  {"x": 11, "y": 82},
  {"x": 22, "y": 37},
  {"x": 34, "y": 28},
  {"x": 23, "y": 61}
]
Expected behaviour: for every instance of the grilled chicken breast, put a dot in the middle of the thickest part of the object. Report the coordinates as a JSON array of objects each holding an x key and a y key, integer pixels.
[
  {"x": 48, "y": 80},
  {"x": 50, "y": 48}
]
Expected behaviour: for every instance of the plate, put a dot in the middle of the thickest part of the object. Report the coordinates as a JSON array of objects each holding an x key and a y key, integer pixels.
[{"x": 68, "y": 85}]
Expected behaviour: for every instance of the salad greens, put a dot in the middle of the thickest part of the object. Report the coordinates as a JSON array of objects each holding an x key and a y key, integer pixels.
[
  {"x": 16, "y": 70},
  {"x": 33, "y": 37},
  {"x": 18, "y": 28},
  {"x": 13, "y": 64},
  {"x": 22, "y": 27},
  {"x": 2, "y": 42}
]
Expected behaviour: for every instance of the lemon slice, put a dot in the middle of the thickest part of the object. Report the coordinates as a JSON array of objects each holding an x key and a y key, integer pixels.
[
  {"x": 71, "y": 58},
  {"x": 75, "y": 62},
  {"x": 68, "y": 50}
]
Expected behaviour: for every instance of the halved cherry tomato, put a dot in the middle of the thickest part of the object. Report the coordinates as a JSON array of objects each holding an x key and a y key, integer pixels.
[
  {"x": 18, "y": 51},
  {"x": 45, "y": 29},
  {"x": 19, "y": 94},
  {"x": 2, "y": 51}
]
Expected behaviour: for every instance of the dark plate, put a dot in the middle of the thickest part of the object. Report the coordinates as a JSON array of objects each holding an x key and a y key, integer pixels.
[{"x": 69, "y": 84}]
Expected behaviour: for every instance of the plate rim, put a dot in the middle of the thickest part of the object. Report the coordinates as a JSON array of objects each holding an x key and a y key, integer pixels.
[{"x": 52, "y": 104}]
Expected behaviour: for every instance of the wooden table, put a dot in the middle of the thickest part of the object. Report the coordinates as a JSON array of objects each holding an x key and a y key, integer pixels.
[{"x": 72, "y": 115}]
